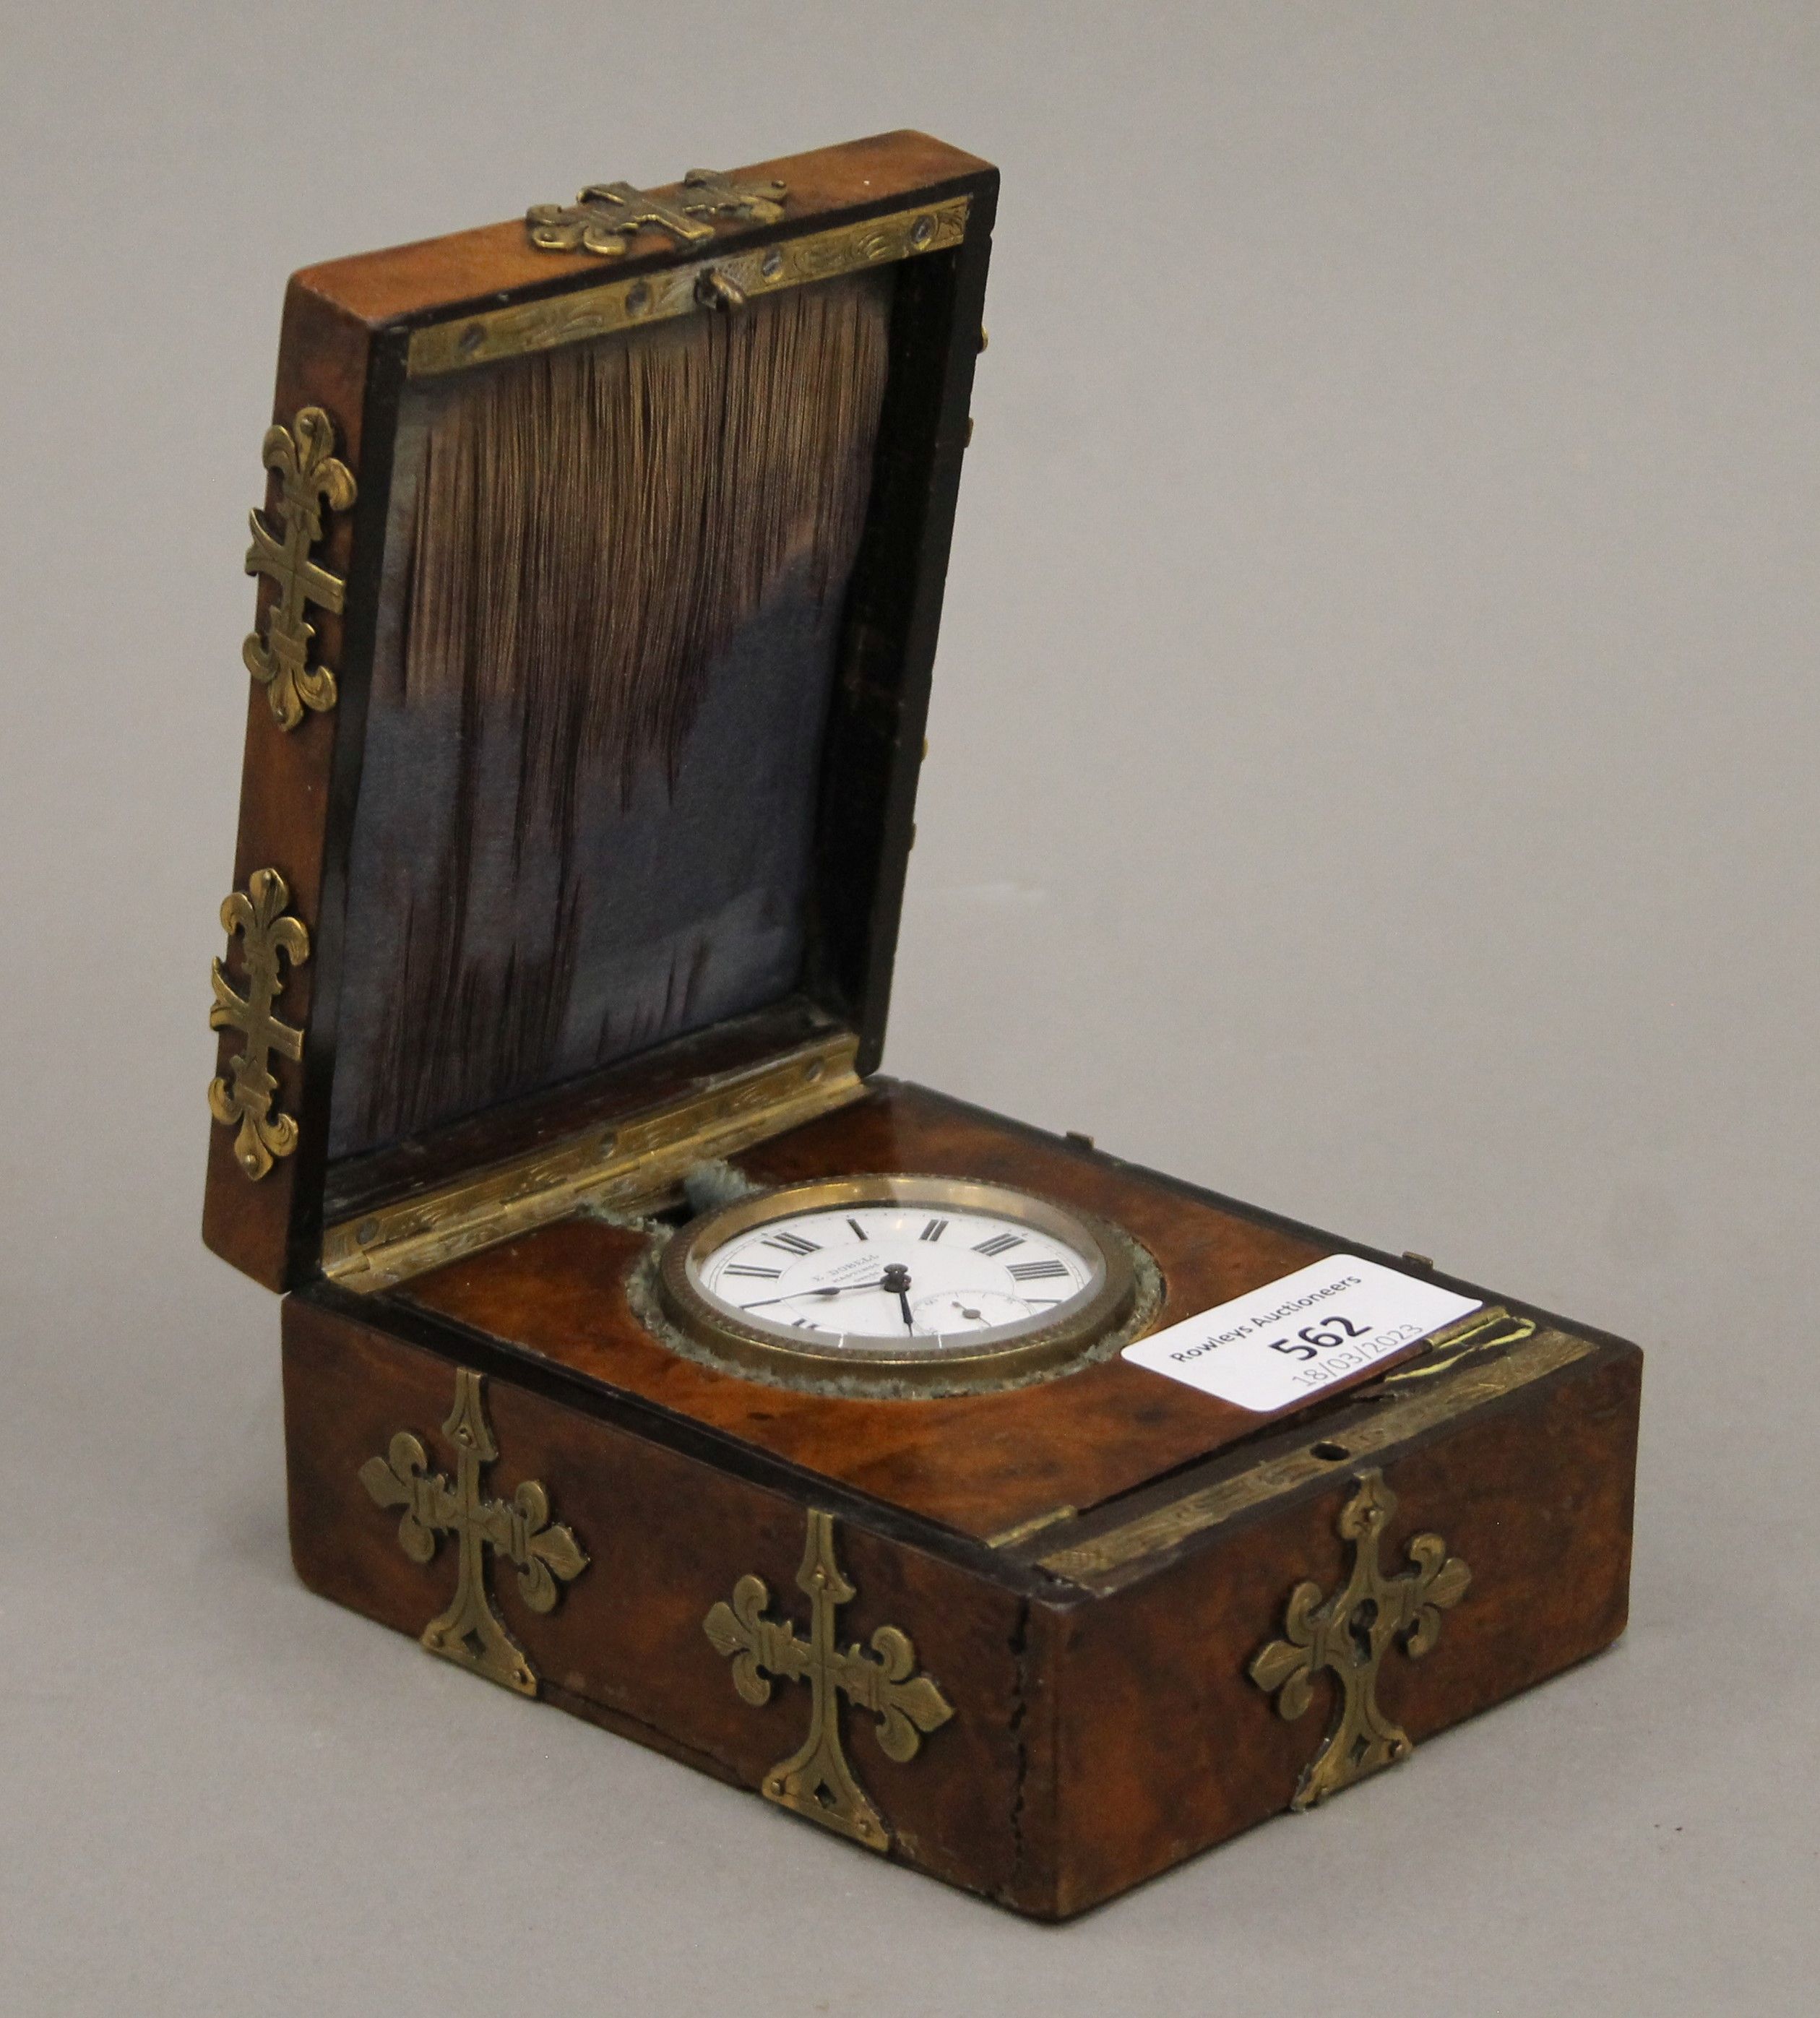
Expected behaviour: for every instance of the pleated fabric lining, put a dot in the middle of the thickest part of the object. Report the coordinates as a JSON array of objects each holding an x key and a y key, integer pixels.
[
  {"x": 593, "y": 529},
  {"x": 596, "y": 522}
]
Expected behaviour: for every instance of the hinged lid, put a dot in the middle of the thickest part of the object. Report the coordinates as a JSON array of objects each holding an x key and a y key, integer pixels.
[{"x": 599, "y": 569}]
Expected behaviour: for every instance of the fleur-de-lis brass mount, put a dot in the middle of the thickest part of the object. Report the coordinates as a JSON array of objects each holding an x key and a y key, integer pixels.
[
  {"x": 816, "y": 1779},
  {"x": 470, "y": 1632},
  {"x": 257, "y": 914},
  {"x": 604, "y": 216},
  {"x": 1349, "y": 1635},
  {"x": 311, "y": 479}
]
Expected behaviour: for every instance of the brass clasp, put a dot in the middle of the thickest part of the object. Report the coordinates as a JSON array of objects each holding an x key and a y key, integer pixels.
[{"x": 715, "y": 290}]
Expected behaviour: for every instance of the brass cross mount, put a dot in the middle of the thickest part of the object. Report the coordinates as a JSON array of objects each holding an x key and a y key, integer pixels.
[
  {"x": 247, "y": 1093},
  {"x": 1349, "y": 1635},
  {"x": 817, "y": 1780},
  {"x": 311, "y": 479},
  {"x": 603, "y": 218},
  {"x": 470, "y": 1632}
]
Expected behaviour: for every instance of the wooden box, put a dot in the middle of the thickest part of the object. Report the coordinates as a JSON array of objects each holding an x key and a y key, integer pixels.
[{"x": 600, "y": 565}]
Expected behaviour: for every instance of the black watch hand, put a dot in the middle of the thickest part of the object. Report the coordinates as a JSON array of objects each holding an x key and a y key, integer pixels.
[
  {"x": 896, "y": 1279},
  {"x": 839, "y": 1289}
]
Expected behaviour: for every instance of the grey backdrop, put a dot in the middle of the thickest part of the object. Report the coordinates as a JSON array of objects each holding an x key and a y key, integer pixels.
[{"x": 1372, "y": 772}]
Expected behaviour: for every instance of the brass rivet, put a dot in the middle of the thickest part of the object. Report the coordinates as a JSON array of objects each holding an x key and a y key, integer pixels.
[
  {"x": 638, "y": 298},
  {"x": 471, "y": 338},
  {"x": 773, "y": 263},
  {"x": 367, "y": 1230},
  {"x": 922, "y": 231}
]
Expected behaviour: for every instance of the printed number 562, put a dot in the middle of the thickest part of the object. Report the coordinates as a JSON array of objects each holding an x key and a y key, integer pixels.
[{"x": 1318, "y": 1338}]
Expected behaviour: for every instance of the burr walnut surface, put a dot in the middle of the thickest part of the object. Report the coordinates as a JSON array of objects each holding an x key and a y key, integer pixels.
[{"x": 982, "y": 1463}]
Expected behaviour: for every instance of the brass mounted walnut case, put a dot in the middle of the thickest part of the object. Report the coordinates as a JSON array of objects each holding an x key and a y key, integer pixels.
[{"x": 600, "y": 575}]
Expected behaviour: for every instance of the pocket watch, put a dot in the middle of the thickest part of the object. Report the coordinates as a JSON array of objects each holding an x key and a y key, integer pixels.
[{"x": 898, "y": 1283}]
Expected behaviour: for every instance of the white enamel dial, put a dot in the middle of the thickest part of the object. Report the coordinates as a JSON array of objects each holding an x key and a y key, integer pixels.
[
  {"x": 900, "y": 1283},
  {"x": 896, "y": 1272}
]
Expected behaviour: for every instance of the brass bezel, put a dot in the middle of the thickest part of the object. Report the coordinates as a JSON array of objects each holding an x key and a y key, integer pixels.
[{"x": 982, "y": 1359}]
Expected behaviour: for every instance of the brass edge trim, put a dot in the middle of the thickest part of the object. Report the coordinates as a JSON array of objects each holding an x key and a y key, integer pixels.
[
  {"x": 1095, "y": 1565},
  {"x": 466, "y": 340},
  {"x": 1010, "y": 1537},
  {"x": 620, "y": 1162}
]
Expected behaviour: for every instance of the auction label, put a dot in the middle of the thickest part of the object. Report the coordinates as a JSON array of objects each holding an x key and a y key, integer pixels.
[{"x": 1283, "y": 1343}]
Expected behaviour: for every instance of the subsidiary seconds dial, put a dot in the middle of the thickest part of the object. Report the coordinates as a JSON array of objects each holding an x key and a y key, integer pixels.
[{"x": 896, "y": 1281}]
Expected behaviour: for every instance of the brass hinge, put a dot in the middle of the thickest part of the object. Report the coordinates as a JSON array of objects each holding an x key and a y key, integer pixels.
[
  {"x": 521, "y": 327},
  {"x": 633, "y": 1162}
]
